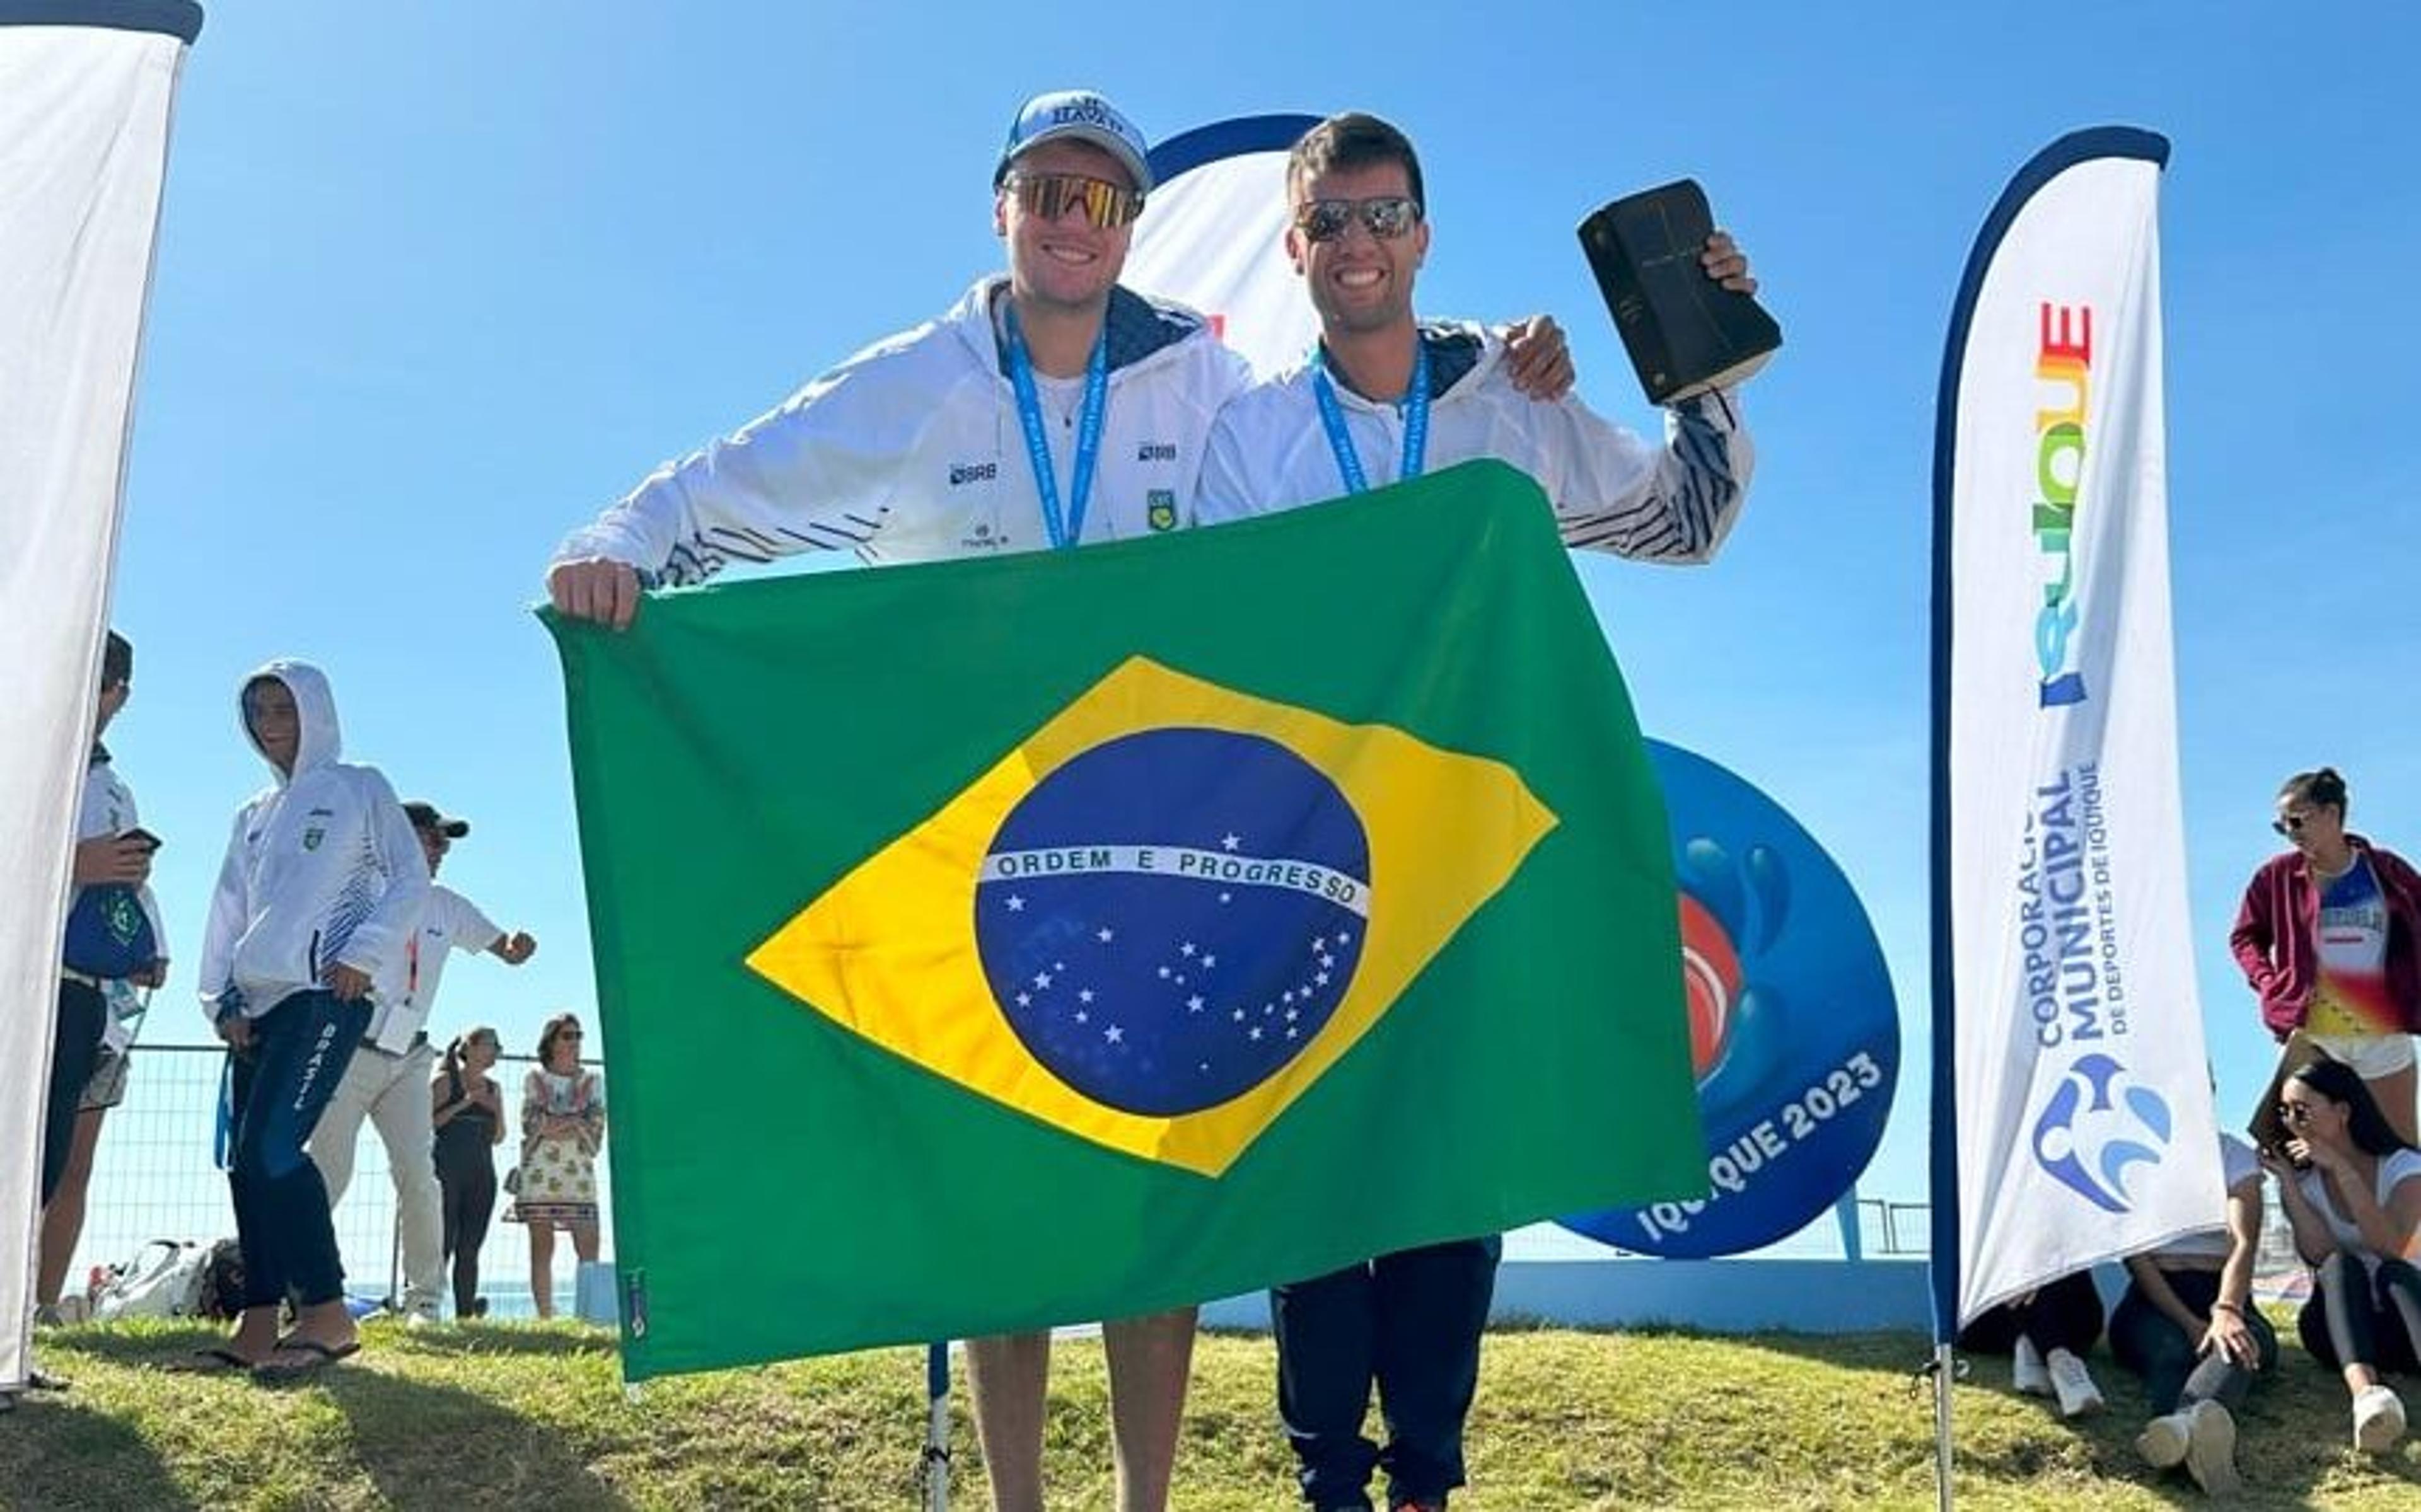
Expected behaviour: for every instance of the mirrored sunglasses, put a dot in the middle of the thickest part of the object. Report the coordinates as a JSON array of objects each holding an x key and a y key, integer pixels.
[
  {"x": 2289, "y": 823},
  {"x": 1050, "y": 196},
  {"x": 1386, "y": 217}
]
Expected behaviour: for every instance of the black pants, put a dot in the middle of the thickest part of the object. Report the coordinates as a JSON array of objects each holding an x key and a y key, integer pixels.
[
  {"x": 2062, "y": 1315},
  {"x": 282, "y": 1085},
  {"x": 75, "y": 1049},
  {"x": 1409, "y": 1322},
  {"x": 2149, "y": 1343},
  {"x": 2358, "y": 1318},
  {"x": 469, "y": 1185}
]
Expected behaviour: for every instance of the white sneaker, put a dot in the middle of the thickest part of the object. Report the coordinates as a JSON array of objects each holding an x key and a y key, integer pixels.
[
  {"x": 2027, "y": 1372},
  {"x": 2163, "y": 1443},
  {"x": 2378, "y": 1418},
  {"x": 2073, "y": 1385},
  {"x": 2211, "y": 1450}
]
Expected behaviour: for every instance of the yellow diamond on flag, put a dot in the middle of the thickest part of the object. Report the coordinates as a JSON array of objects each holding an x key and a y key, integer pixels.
[{"x": 1165, "y": 914}]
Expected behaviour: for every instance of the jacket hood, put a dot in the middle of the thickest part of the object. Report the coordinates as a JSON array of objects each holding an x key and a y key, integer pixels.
[
  {"x": 319, "y": 742},
  {"x": 1140, "y": 329}
]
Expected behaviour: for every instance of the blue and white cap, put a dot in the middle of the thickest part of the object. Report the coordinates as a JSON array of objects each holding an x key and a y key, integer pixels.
[{"x": 1085, "y": 115}]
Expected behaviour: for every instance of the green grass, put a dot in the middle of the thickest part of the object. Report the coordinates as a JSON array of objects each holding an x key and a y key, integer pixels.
[{"x": 535, "y": 1416}]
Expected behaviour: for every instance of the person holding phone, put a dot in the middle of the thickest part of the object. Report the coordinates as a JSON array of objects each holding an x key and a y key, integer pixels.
[
  {"x": 2351, "y": 1186},
  {"x": 116, "y": 950}
]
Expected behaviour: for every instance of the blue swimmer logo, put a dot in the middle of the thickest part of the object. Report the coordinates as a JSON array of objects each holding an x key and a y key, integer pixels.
[
  {"x": 1793, "y": 1034},
  {"x": 1210, "y": 931},
  {"x": 2097, "y": 1126}
]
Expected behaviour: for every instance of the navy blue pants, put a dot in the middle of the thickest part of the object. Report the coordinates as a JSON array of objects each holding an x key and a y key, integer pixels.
[
  {"x": 2147, "y": 1342},
  {"x": 1408, "y": 1323},
  {"x": 2065, "y": 1314},
  {"x": 75, "y": 1047},
  {"x": 282, "y": 1085}
]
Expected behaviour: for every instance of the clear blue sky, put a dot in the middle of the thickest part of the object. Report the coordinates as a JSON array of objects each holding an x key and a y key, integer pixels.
[{"x": 436, "y": 282}]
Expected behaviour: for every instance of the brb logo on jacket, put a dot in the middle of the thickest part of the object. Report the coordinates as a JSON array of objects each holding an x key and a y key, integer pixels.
[
  {"x": 1794, "y": 1035},
  {"x": 2098, "y": 1124},
  {"x": 1156, "y": 451},
  {"x": 962, "y": 474}
]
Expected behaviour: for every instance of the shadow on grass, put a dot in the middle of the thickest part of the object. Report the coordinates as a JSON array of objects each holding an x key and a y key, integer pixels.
[
  {"x": 502, "y": 1338},
  {"x": 64, "y": 1456},
  {"x": 440, "y": 1447}
]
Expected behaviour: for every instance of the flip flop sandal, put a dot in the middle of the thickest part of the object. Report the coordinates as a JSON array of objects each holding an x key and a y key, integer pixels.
[{"x": 270, "y": 1373}]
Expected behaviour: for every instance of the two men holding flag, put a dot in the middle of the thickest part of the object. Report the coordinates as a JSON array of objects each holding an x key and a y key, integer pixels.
[{"x": 897, "y": 456}]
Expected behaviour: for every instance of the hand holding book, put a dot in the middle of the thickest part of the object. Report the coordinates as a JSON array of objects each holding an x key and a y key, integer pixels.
[{"x": 1680, "y": 291}]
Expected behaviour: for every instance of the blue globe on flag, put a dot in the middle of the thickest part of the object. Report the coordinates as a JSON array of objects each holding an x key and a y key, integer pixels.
[{"x": 1168, "y": 919}]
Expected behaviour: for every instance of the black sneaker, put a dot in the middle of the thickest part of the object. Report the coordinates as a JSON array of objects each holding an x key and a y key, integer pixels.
[{"x": 478, "y": 1307}]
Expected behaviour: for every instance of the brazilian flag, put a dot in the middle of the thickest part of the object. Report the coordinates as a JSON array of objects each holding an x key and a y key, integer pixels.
[{"x": 1007, "y": 943}]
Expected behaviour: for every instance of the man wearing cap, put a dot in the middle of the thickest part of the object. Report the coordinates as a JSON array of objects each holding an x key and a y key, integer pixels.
[
  {"x": 387, "y": 1080},
  {"x": 1381, "y": 397},
  {"x": 1048, "y": 407}
]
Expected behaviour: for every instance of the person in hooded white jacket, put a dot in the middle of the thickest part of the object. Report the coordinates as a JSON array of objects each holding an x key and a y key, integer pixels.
[
  {"x": 316, "y": 904},
  {"x": 1381, "y": 397}
]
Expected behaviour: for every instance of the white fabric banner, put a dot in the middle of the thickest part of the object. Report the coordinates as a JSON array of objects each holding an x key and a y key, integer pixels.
[
  {"x": 84, "y": 136},
  {"x": 2083, "y": 1111},
  {"x": 1213, "y": 236}
]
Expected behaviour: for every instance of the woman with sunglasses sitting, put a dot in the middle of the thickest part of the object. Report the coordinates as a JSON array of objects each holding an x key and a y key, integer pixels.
[
  {"x": 2351, "y": 1189},
  {"x": 2327, "y": 937}
]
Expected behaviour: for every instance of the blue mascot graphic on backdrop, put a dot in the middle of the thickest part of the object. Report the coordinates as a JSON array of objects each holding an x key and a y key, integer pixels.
[
  {"x": 1792, "y": 1026},
  {"x": 2092, "y": 1129},
  {"x": 1166, "y": 988}
]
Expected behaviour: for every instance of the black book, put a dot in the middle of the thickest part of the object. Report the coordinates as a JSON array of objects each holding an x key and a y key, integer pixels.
[{"x": 1685, "y": 332}]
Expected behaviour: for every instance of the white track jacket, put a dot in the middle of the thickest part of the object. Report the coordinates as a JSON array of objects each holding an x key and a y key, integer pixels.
[
  {"x": 912, "y": 451},
  {"x": 1612, "y": 491}
]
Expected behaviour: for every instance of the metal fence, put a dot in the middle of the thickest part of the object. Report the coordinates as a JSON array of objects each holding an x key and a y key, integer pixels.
[{"x": 155, "y": 1176}]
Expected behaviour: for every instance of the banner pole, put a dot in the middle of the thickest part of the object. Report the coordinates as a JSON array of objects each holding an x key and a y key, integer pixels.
[
  {"x": 937, "y": 1426},
  {"x": 1943, "y": 1366}
]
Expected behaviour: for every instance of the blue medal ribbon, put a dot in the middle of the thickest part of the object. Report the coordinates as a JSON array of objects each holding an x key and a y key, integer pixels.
[
  {"x": 1066, "y": 530},
  {"x": 1415, "y": 407}
]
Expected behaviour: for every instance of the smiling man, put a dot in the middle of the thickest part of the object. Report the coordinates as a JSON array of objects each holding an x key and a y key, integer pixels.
[
  {"x": 1382, "y": 398},
  {"x": 1049, "y": 408}
]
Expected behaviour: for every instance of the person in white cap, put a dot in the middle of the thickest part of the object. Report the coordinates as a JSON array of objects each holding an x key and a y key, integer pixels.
[
  {"x": 1049, "y": 408},
  {"x": 387, "y": 1080}
]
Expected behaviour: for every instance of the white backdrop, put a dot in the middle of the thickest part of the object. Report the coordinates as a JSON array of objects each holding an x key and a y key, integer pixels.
[{"x": 84, "y": 137}]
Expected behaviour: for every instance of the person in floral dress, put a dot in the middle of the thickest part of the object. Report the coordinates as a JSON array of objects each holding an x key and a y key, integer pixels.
[{"x": 563, "y": 1126}]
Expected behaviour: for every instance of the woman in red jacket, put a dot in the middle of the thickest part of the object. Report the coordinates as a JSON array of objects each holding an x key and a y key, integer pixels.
[{"x": 2327, "y": 939}]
